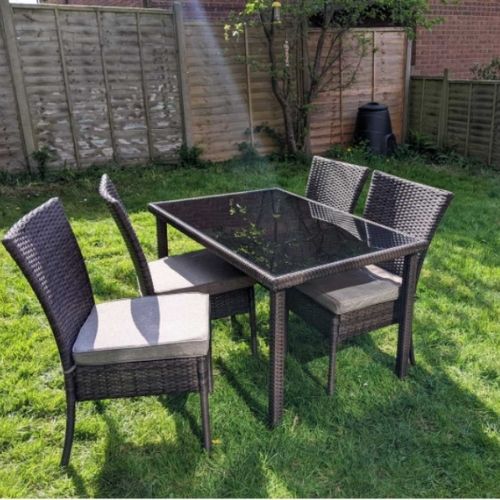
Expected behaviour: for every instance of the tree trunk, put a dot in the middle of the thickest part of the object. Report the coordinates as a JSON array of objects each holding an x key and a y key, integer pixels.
[
  {"x": 291, "y": 141},
  {"x": 306, "y": 129}
]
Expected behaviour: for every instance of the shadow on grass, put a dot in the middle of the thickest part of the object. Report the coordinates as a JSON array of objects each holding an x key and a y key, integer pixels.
[
  {"x": 151, "y": 470},
  {"x": 169, "y": 469},
  {"x": 256, "y": 406},
  {"x": 378, "y": 436},
  {"x": 78, "y": 482},
  {"x": 424, "y": 436},
  {"x": 426, "y": 427}
]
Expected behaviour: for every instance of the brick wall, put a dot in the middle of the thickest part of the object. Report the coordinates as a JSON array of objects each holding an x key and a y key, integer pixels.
[{"x": 469, "y": 36}]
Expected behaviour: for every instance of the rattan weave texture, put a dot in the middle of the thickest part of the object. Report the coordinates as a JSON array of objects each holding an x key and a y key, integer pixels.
[
  {"x": 44, "y": 246},
  {"x": 409, "y": 207},
  {"x": 392, "y": 245},
  {"x": 336, "y": 183},
  {"x": 406, "y": 206},
  {"x": 109, "y": 193},
  {"x": 221, "y": 305}
]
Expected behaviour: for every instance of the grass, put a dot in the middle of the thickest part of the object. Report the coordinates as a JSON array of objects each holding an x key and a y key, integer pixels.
[{"x": 434, "y": 434}]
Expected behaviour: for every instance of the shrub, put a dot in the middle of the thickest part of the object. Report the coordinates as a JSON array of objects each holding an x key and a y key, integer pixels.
[
  {"x": 248, "y": 153},
  {"x": 191, "y": 157},
  {"x": 42, "y": 157}
]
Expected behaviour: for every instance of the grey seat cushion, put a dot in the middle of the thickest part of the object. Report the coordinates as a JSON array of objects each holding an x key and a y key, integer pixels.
[
  {"x": 353, "y": 290},
  {"x": 196, "y": 272},
  {"x": 144, "y": 329}
]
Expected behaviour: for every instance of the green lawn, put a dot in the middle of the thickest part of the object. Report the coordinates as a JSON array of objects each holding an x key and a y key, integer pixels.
[{"x": 433, "y": 434}]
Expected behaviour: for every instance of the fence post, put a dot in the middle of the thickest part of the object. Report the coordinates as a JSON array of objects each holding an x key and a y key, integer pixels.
[
  {"x": 9, "y": 32},
  {"x": 469, "y": 115},
  {"x": 249, "y": 87},
  {"x": 407, "y": 83},
  {"x": 67, "y": 90},
  {"x": 183, "y": 75},
  {"x": 422, "y": 102},
  {"x": 443, "y": 111},
  {"x": 107, "y": 90},
  {"x": 493, "y": 125},
  {"x": 145, "y": 94}
]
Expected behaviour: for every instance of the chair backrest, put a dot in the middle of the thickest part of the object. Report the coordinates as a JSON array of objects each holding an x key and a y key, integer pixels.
[
  {"x": 43, "y": 245},
  {"x": 110, "y": 195},
  {"x": 335, "y": 183},
  {"x": 409, "y": 207}
]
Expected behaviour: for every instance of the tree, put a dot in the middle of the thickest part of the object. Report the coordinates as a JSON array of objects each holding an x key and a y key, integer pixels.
[{"x": 294, "y": 56}]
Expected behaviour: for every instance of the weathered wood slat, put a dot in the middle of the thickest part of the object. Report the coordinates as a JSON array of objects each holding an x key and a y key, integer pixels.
[
  {"x": 67, "y": 91},
  {"x": 124, "y": 83},
  {"x": 17, "y": 138},
  {"x": 468, "y": 116}
]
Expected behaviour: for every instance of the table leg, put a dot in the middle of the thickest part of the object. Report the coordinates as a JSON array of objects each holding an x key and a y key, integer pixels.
[
  {"x": 161, "y": 238},
  {"x": 406, "y": 318},
  {"x": 278, "y": 337}
]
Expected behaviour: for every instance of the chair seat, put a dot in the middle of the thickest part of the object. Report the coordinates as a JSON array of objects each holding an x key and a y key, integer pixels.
[
  {"x": 353, "y": 290},
  {"x": 144, "y": 329},
  {"x": 200, "y": 271}
]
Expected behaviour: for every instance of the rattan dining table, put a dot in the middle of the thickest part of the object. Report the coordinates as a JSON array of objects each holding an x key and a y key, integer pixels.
[{"x": 283, "y": 240}]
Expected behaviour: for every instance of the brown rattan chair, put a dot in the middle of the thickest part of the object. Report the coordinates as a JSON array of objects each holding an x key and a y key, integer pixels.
[
  {"x": 352, "y": 303},
  {"x": 125, "y": 348},
  {"x": 336, "y": 183},
  {"x": 231, "y": 292}
]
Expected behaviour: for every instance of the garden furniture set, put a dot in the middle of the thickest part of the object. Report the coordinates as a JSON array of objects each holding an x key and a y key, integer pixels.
[{"x": 345, "y": 275}]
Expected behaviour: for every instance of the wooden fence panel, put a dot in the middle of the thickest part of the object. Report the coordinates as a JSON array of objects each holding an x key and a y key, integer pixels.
[
  {"x": 266, "y": 110},
  {"x": 361, "y": 73},
  {"x": 41, "y": 62},
  {"x": 415, "y": 103},
  {"x": 389, "y": 84},
  {"x": 11, "y": 148},
  {"x": 104, "y": 83},
  {"x": 80, "y": 39},
  {"x": 161, "y": 84},
  {"x": 481, "y": 115},
  {"x": 122, "y": 60},
  {"x": 101, "y": 83},
  {"x": 459, "y": 114},
  {"x": 456, "y": 134},
  {"x": 327, "y": 113},
  {"x": 218, "y": 90},
  {"x": 430, "y": 108}
]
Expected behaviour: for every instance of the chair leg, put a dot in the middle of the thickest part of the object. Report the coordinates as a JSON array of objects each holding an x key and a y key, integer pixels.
[
  {"x": 334, "y": 335},
  {"x": 253, "y": 321},
  {"x": 203, "y": 376},
  {"x": 210, "y": 365},
  {"x": 413, "y": 361},
  {"x": 407, "y": 299},
  {"x": 70, "y": 428}
]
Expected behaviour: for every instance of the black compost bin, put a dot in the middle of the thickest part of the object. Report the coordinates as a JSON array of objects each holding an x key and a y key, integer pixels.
[{"x": 373, "y": 126}]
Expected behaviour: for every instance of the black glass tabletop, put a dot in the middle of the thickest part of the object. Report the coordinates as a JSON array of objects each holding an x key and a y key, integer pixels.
[{"x": 279, "y": 232}]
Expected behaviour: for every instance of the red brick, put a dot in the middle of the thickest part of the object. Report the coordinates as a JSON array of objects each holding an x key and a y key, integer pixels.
[{"x": 468, "y": 36}]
